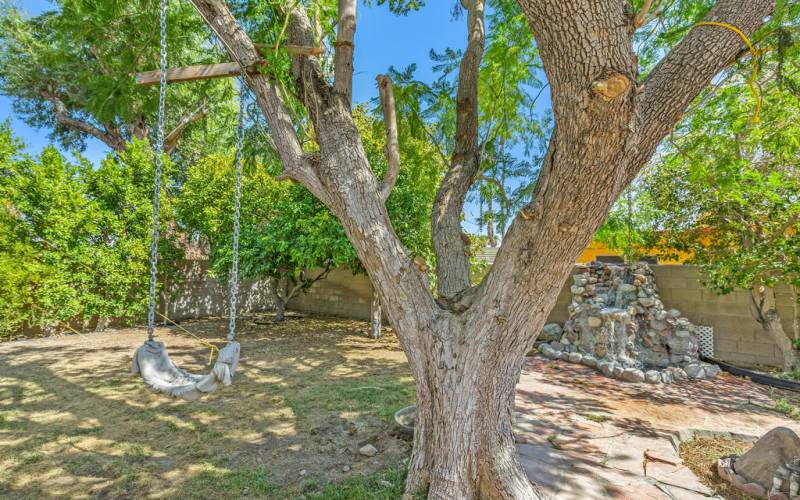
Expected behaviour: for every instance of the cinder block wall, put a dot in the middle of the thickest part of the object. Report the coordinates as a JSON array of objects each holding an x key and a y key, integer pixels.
[
  {"x": 200, "y": 295},
  {"x": 738, "y": 338},
  {"x": 341, "y": 293}
]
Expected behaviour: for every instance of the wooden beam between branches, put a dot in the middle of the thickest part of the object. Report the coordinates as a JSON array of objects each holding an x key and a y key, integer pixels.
[
  {"x": 222, "y": 70},
  {"x": 190, "y": 73}
]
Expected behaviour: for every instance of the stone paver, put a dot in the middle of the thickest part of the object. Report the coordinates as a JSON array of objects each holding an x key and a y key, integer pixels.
[{"x": 581, "y": 435}]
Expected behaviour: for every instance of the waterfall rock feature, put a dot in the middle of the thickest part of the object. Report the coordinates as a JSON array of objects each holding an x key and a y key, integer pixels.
[{"x": 618, "y": 325}]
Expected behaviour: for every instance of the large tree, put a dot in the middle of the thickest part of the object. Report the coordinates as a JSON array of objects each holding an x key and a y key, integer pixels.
[{"x": 466, "y": 347}]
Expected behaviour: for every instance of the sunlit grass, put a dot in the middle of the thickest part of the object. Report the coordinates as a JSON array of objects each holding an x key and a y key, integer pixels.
[{"x": 73, "y": 423}]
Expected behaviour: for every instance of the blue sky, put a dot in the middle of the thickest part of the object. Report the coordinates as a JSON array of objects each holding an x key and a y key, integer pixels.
[{"x": 382, "y": 40}]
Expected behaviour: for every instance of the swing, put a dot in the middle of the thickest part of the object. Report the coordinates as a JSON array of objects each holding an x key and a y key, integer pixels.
[{"x": 151, "y": 360}]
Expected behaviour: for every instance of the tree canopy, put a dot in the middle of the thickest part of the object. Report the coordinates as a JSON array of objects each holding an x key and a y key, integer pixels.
[{"x": 70, "y": 70}]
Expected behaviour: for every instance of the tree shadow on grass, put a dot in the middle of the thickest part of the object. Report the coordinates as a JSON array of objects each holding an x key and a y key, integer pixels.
[{"x": 74, "y": 421}]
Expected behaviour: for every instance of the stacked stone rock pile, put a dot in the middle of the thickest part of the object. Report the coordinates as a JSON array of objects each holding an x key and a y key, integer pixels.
[{"x": 618, "y": 325}]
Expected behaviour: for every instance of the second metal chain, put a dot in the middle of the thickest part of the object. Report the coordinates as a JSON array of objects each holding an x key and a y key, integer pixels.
[
  {"x": 159, "y": 151},
  {"x": 237, "y": 206}
]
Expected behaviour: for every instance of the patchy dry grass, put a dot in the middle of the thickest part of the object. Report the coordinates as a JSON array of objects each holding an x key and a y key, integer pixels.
[
  {"x": 309, "y": 393},
  {"x": 700, "y": 455}
]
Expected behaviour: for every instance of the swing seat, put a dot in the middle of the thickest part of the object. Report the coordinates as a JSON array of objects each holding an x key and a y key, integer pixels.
[{"x": 152, "y": 362}]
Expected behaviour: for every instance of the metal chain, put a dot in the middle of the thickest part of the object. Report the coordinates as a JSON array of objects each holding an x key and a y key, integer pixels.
[
  {"x": 237, "y": 206},
  {"x": 159, "y": 151}
]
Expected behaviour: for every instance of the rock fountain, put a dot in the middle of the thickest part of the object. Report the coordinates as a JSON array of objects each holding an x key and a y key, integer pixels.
[{"x": 618, "y": 325}]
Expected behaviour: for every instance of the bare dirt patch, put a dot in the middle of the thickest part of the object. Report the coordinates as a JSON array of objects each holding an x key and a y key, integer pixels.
[{"x": 309, "y": 393}]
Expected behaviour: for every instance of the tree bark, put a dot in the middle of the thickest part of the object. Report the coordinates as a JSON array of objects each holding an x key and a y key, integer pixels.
[
  {"x": 770, "y": 320},
  {"x": 463, "y": 442},
  {"x": 466, "y": 360},
  {"x": 279, "y": 296},
  {"x": 376, "y": 315},
  {"x": 102, "y": 324},
  {"x": 492, "y": 242}
]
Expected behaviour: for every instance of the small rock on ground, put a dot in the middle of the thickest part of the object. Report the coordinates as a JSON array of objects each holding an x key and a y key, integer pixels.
[
  {"x": 653, "y": 376},
  {"x": 632, "y": 375},
  {"x": 368, "y": 450}
]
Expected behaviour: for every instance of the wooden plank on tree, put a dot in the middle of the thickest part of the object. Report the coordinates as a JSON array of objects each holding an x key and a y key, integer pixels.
[
  {"x": 190, "y": 73},
  {"x": 222, "y": 70}
]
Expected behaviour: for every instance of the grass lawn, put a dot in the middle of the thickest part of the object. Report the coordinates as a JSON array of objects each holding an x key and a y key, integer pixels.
[{"x": 309, "y": 393}]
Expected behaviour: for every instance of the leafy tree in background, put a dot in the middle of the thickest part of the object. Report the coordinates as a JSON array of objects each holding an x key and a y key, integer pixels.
[
  {"x": 285, "y": 232},
  {"x": 727, "y": 190},
  {"x": 287, "y": 235},
  {"x": 512, "y": 135},
  {"x": 630, "y": 227},
  {"x": 74, "y": 241},
  {"x": 725, "y": 187},
  {"x": 71, "y": 70}
]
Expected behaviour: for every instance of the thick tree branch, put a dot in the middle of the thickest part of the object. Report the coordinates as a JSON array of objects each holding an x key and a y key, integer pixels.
[
  {"x": 63, "y": 117},
  {"x": 601, "y": 139},
  {"x": 171, "y": 140},
  {"x": 594, "y": 109},
  {"x": 392, "y": 143},
  {"x": 339, "y": 175},
  {"x": 345, "y": 46},
  {"x": 689, "y": 68},
  {"x": 310, "y": 81},
  {"x": 450, "y": 244},
  {"x": 284, "y": 136},
  {"x": 306, "y": 283}
]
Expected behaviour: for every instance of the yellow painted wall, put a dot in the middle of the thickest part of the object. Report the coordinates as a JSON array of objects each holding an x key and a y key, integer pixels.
[{"x": 597, "y": 249}]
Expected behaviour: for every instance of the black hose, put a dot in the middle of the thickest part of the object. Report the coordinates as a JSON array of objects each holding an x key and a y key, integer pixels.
[{"x": 759, "y": 378}]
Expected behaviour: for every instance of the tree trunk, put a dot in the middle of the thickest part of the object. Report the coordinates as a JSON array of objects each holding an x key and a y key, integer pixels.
[
  {"x": 279, "y": 292},
  {"x": 795, "y": 315},
  {"x": 102, "y": 324},
  {"x": 376, "y": 314},
  {"x": 165, "y": 297},
  {"x": 492, "y": 242},
  {"x": 280, "y": 311},
  {"x": 463, "y": 442},
  {"x": 770, "y": 320}
]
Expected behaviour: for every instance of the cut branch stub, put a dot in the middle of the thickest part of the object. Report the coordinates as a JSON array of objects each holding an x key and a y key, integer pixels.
[
  {"x": 392, "y": 148},
  {"x": 612, "y": 86}
]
